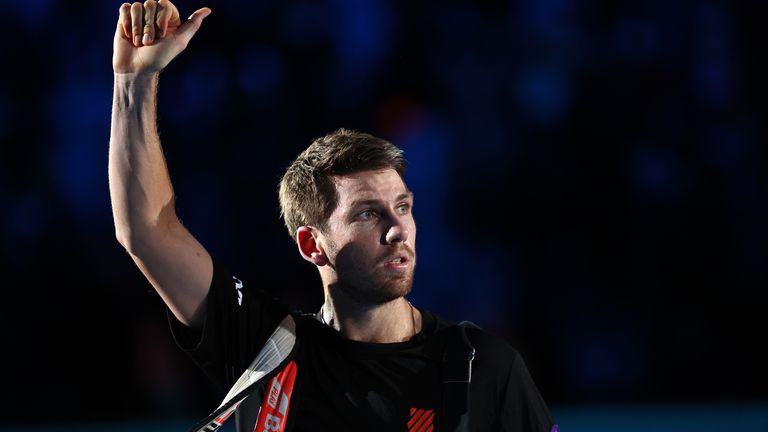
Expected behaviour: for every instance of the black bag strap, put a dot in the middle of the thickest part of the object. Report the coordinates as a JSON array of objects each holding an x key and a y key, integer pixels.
[{"x": 456, "y": 376}]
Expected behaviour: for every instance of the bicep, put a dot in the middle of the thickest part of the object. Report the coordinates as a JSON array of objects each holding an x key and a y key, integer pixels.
[{"x": 179, "y": 268}]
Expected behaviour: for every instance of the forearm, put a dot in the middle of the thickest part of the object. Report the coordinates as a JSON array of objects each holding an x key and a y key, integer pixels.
[{"x": 139, "y": 184}]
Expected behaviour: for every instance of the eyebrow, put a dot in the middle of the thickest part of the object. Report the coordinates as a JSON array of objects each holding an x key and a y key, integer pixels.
[{"x": 402, "y": 196}]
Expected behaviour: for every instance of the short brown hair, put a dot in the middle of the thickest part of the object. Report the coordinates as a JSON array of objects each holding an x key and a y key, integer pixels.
[{"x": 307, "y": 192}]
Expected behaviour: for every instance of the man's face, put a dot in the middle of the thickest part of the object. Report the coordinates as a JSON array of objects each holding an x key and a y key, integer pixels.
[{"x": 371, "y": 237}]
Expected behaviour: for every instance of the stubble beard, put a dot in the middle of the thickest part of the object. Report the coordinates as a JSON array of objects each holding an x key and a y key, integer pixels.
[
  {"x": 374, "y": 287},
  {"x": 387, "y": 287},
  {"x": 377, "y": 289}
]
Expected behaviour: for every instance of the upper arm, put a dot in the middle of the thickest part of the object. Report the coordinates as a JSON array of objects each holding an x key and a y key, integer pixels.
[
  {"x": 522, "y": 407},
  {"x": 504, "y": 396},
  {"x": 178, "y": 267}
]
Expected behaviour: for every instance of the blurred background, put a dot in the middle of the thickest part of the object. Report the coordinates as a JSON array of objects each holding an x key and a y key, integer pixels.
[{"x": 589, "y": 177}]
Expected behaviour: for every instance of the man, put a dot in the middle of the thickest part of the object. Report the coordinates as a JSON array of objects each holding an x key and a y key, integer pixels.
[{"x": 368, "y": 359}]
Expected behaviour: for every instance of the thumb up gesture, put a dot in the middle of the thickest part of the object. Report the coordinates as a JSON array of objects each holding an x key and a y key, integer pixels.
[{"x": 151, "y": 34}]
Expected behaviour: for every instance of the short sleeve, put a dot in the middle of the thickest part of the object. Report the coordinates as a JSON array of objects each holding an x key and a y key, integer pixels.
[
  {"x": 238, "y": 320},
  {"x": 522, "y": 407}
]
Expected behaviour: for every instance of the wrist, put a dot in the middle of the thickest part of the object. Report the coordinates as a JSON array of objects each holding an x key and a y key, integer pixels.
[
  {"x": 133, "y": 79},
  {"x": 133, "y": 90}
]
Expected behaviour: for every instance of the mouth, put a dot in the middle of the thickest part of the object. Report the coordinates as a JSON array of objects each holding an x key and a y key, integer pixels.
[{"x": 398, "y": 262}]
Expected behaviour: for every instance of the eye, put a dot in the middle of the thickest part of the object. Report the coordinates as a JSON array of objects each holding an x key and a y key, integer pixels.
[
  {"x": 402, "y": 209},
  {"x": 366, "y": 215}
]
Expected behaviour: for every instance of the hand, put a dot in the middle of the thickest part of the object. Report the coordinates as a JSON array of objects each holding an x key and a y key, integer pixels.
[{"x": 150, "y": 35}]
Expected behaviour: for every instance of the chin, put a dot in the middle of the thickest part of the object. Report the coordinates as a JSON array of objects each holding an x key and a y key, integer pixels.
[
  {"x": 381, "y": 292},
  {"x": 394, "y": 289}
]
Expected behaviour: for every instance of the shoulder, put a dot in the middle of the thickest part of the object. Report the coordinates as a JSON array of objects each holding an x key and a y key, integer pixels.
[
  {"x": 484, "y": 340},
  {"x": 492, "y": 353},
  {"x": 479, "y": 337},
  {"x": 490, "y": 349}
]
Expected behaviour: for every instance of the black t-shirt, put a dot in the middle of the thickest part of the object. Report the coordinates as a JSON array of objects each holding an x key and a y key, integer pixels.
[{"x": 348, "y": 385}]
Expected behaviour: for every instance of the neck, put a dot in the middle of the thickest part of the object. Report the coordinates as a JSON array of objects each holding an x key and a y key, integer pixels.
[{"x": 394, "y": 321}]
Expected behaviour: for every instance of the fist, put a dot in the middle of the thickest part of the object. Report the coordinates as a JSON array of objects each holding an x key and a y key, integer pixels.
[{"x": 149, "y": 35}]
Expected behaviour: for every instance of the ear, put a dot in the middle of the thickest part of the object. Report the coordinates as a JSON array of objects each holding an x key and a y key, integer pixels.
[{"x": 308, "y": 247}]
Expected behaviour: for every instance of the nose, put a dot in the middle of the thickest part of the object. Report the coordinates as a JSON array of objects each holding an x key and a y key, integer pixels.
[{"x": 396, "y": 233}]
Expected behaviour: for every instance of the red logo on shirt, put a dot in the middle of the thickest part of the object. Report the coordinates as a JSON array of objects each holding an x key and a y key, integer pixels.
[
  {"x": 421, "y": 420},
  {"x": 274, "y": 409}
]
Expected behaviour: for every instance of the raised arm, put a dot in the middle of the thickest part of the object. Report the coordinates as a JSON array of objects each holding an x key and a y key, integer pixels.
[{"x": 173, "y": 261}]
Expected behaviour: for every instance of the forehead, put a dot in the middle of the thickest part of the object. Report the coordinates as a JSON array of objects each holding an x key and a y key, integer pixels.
[{"x": 383, "y": 184}]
